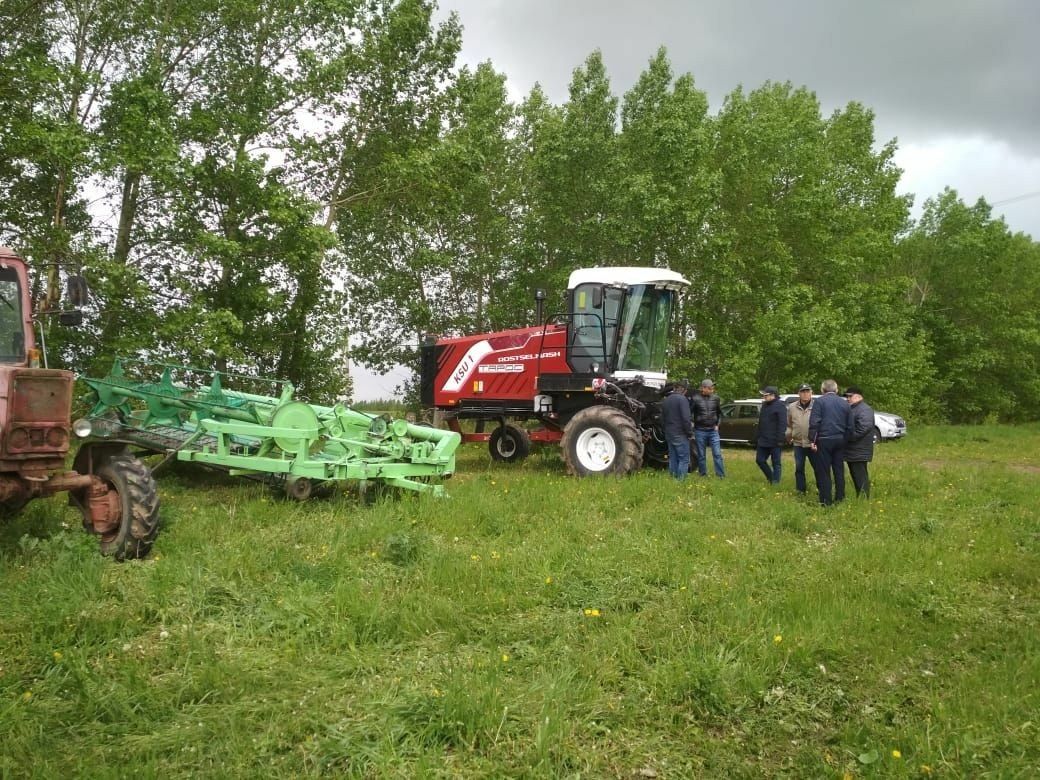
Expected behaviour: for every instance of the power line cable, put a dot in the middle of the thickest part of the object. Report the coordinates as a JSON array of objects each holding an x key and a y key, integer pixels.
[{"x": 1016, "y": 198}]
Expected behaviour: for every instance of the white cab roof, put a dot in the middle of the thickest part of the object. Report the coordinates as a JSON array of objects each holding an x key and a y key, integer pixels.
[{"x": 626, "y": 276}]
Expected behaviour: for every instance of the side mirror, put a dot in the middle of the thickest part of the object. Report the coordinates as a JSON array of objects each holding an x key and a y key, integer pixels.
[
  {"x": 77, "y": 292},
  {"x": 597, "y": 297}
]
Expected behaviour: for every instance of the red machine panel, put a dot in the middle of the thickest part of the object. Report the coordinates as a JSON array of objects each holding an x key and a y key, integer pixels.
[{"x": 501, "y": 366}]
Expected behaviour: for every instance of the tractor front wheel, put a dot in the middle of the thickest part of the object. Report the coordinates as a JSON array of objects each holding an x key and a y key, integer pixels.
[
  {"x": 602, "y": 440},
  {"x": 509, "y": 443},
  {"x": 138, "y": 506}
]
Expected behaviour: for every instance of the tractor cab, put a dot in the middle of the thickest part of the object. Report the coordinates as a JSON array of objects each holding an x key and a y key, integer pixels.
[{"x": 618, "y": 321}]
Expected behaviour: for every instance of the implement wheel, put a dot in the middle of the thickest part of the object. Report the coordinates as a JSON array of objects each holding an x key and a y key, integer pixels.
[
  {"x": 133, "y": 533},
  {"x": 602, "y": 440},
  {"x": 509, "y": 443},
  {"x": 299, "y": 488}
]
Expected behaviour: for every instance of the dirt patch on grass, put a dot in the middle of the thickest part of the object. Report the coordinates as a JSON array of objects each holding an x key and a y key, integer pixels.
[{"x": 1023, "y": 468}]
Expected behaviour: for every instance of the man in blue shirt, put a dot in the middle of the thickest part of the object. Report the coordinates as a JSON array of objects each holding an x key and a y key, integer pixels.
[
  {"x": 675, "y": 419},
  {"x": 830, "y": 426}
]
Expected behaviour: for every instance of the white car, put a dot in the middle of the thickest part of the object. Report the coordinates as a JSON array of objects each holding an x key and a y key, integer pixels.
[{"x": 888, "y": 426}]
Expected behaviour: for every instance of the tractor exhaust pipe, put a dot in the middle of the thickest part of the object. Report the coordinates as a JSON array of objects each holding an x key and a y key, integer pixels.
[{"x": 539, "y": 302}]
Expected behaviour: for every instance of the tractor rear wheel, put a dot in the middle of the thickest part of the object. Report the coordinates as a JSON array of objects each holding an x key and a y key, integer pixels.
[
  {"x": 602, "y": 440},
  {"x": 509, "y": 443},
  {"x": 138, "y": 503}
]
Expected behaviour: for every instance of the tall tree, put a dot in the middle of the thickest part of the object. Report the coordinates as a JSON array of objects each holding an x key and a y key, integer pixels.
[
  {"x": 808, "y": 220},
  {"x": 668, "y": 186},
  {"x": 974, "y": 287},
  {"x": 372, "y": 168}
]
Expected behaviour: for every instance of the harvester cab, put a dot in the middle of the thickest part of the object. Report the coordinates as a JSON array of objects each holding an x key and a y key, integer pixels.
[
  {"x": 591, "y": 376},
  {"x": 113, "y": 490},
  {"x": 618, "y": 322}
]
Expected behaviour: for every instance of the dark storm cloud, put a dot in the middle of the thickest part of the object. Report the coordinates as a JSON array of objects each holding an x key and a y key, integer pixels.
[{"x": 928, "y": 69}]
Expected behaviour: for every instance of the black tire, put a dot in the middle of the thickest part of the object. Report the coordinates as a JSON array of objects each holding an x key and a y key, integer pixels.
[
  {"x": 655, "y": 451},
  {"x": 877, "y": 436},
  {"x": 509, "y": 443},
  {"x": 139, "y": 505},
  {"x": 602, "y": 440}
]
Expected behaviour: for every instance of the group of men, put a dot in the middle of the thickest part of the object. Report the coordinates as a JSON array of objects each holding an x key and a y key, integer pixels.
[{"x": 828, "y": 432}]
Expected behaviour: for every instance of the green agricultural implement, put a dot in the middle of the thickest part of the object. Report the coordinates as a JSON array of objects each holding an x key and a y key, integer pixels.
[{"x": 190, "y": 415}]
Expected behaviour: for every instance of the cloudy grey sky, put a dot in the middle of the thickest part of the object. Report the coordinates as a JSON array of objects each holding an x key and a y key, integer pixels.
[{"x": 956, "y": 82}]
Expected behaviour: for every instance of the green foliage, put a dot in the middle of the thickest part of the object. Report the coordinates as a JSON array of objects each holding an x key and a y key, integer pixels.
[
  {"x": 973, "y": 287},
  {"x": 539, "y": 625},
  {"x": 285, "y": 183}
]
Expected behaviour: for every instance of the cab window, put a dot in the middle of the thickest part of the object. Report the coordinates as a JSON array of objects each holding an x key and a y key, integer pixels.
[{"x": 12, "y": 324}]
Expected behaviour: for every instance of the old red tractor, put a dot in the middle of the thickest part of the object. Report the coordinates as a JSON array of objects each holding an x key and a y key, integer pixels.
[
  {"x": 113, "y": 489},
  {"x": 592, "y": 377}
]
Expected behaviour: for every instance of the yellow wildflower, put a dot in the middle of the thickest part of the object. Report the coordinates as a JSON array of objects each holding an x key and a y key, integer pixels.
[
  {"x": 505, "y": 658},
  {"x": 27, "y": 696},
  {"x": 896, "y": 754},
  {"x": 777, "y": 639},
  {"x": 925, "y": 769},
  {"x": 591, "y": 612},
  {"x": 57, "y": 655},
  {"x": 495, "y": 556},
  {"x": 548, "y": 580},
  {"x": 474, "y": 557}
]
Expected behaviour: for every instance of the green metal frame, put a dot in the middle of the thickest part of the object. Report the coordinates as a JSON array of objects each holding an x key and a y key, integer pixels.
[{"x": 277, "y": 437}]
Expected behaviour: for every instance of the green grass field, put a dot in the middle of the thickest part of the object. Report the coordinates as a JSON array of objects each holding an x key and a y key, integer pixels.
[{"x": 536, "y": 625}]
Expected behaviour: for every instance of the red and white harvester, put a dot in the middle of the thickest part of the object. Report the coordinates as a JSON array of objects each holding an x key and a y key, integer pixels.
[{"x": 593, "y": 376}]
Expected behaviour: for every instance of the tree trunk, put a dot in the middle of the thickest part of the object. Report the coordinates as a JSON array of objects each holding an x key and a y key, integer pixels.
[{"x": 127, "y": 215}]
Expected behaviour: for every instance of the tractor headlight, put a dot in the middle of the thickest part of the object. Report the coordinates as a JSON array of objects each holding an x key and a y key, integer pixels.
[{"x": 82, "y": 428}]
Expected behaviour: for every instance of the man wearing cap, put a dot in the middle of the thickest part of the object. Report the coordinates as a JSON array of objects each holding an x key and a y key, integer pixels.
[
  {"x": 675, "y": 419},
  {"x": 830, "y": 425},
  {"x": 706, "y": 410},
  {"x": 859, "y": 450},
  {"x": 798, "y": 435},
  {"x": 772, "y": 431}
]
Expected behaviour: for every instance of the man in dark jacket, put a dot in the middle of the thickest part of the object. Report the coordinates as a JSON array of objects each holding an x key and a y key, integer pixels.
[
  {"x": 859, "y": 450},
  {"x": 772, "y": 432},
  {"x": 675, "y": 419},
  {"x": 830, "y": 425},
  {"x": 706, "y": 410}
]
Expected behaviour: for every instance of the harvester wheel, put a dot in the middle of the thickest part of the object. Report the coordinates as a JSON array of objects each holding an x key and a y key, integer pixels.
[
  {"x": 138, "y": 504},
  {"x": 509, "y": 443},
  {"x": 602, "y": 440}
]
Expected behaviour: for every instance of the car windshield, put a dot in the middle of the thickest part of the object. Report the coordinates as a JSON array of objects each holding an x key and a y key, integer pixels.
[{"x": 12, "y": 325}]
